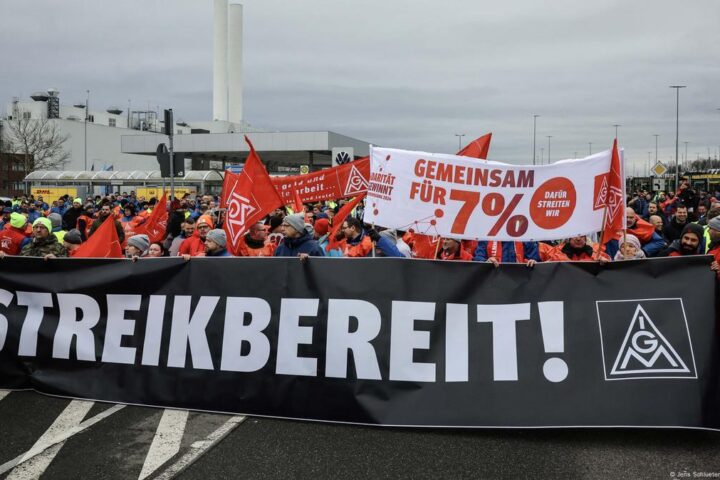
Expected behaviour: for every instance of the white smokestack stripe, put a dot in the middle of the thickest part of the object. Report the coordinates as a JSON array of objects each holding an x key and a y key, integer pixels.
[
  {"x": 235, "y": 57},
  {"x": 220, "y": 60}
]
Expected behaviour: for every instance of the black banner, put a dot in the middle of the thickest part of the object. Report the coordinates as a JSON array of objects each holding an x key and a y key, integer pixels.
[{"x": 379, "y": 341}]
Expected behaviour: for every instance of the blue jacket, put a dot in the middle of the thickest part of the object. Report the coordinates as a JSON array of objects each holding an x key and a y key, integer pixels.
[
  {"x": 530, "y": 252},
  {"x": 292, "y": 247}
]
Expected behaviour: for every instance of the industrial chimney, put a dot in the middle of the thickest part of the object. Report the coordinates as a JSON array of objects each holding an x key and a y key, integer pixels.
[{"x": 227, "y": 62}]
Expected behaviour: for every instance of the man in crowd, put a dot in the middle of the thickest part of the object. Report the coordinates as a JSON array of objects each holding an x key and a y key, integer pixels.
[
  {"x": 216, "y": 244},
  {"x": 44, "y": 243},
  {"x": 187, "y": 228},
  {"x": 60, "y": 208},
  {"x": 195, "y": 245},
  {"x": 689, "y": 243},
  {"x": 452, "y": 250},
  {"x": 577, "y": 249},
  {"x": 298, "y": 241},
  {"x": 254, "y": 243},
  {"x": 677, "y": 223},
  {"x": 70, "y": 218},
  {"x": 106, "y": 214},
  {"x": 359, "y": 244},
  {"x": 652, "y": 243},
  {"x": 72, "y": 241},
  {"x": 57, "y": 228}
]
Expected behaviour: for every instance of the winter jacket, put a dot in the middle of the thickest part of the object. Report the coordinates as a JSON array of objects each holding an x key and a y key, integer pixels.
[
  {"x": 362, "y": 246},
  {"x": 70, "y": 218},
  {"x": 45, "y": 246},
  {"x": 250, "y": 248},
  {"x": 511, "y": 252},
  {"x": 193, "y": 246},
  {"x": 673, "y": 228},
  {"x": 292, "y": 247},
  {"x": 11, "y": 240}
]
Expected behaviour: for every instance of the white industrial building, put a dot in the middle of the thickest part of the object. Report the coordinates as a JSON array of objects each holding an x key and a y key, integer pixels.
[{"x": 126, "y": 139}]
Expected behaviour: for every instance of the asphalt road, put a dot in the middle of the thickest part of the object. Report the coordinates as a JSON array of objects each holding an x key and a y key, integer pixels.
[{"x": 76, "y": 439}]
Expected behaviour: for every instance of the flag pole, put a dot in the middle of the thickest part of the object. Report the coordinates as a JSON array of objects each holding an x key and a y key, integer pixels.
[
  {"x": 437, "y": 247},
  {"x": 602, "y": 233}
]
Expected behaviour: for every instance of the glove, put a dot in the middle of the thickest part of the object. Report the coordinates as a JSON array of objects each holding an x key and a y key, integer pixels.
[{"x": 374, "y": 235}]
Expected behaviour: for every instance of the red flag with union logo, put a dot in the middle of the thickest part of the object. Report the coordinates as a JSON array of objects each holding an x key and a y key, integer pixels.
[
  {"x": 478, "y": 148},
  {"x": 612, "y": 196},
  {"x": 248, "y": 196},
  {"x": 156, "y": 225}
]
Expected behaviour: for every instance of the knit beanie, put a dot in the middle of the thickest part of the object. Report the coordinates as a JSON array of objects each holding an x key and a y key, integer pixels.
[
  {"x": 296, "y": 221},
  {"x": 205, "y": 219},
  {"x": 695, "y": 229},
  {"x": 141, "y": 242},
  {"x": 55, "y": 220},
  {"x": 218, "y": 236},
  {"x": 44, "y": 222},
  {"x": 714, "y": 223},
  {"x": 322, "y": 225},
  {"x": 17, "y": 220},
  {"x": 78, "y": 201},
  {"x": 73, "y": 236}
]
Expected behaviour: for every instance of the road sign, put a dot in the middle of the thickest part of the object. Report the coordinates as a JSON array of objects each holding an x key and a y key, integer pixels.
[
  {"x": 304, "y": 169},
  {"x": 235, "y": 168},
  {"x": 659, "y": 169}
]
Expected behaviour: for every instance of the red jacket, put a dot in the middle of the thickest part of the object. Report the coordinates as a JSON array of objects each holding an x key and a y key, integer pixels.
[
  {"x": 10, "y": 240},
  {"x": 193, "y": 246}
]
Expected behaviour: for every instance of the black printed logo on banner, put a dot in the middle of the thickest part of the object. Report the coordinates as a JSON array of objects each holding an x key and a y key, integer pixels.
[{"x": 646, "y": 338}]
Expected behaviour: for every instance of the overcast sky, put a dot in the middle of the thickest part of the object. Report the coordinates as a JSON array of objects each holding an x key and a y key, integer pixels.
[{"x": 397, "y": 73}]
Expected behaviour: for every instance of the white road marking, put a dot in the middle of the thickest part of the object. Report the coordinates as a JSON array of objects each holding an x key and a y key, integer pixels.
[
  {"x": 37, "y": 450},
  {"x": 166, "y": 443},
  {"x": 199, "y": 448},
  {"x": 4, "y": 393},
  {"x": 33, "y": 467}
]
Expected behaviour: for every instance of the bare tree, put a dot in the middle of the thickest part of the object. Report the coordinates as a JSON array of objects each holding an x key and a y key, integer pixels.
[{"x": 38, "y": 141}]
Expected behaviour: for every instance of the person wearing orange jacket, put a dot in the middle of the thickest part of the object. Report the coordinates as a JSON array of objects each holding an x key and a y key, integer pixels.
[
  {"x": 358, "y": 243},
  {"x": 13, "y": 238},
  {"x": 577, "y": 249},
  {"x": 452, "y": 250},
  {"x": 254, "y": 243},
  {"x": 195, "y": 245}
]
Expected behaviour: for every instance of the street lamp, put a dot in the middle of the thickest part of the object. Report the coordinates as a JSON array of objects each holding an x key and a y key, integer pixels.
[
  {"x": 677, "y": 131},
  {"x": 549, "y": 137},
  {"x": 686, "y": 158},
  {"x": 459, "y": 135},
  {"x": 87, "y": 117},
  {"x": 535, "y": 116},
  {"x": 542, "y": 155},
  {"x": 656, "y": 145},
  {"x": 616, "y": 125}
]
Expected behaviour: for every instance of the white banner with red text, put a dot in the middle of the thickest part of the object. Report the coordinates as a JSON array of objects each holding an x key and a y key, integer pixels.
[{"x": 452, "y": 196}]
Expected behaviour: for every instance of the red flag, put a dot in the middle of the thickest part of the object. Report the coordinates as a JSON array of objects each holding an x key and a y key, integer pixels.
[
  {"x": 614, "y": 200},
  {"x": 104, "y": 243},
  {"x": 228, "y": 180},
  {"x": 298, "y": 207},
  {"x": 249, "y": 196},
  {"x": 478, "y": 148},
  {"x": 156, "y": 226},
  {"x": 339, "y": 218}
]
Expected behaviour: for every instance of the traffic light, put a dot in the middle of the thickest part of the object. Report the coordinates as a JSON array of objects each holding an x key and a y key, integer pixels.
[{"x": 163, "y": 157}]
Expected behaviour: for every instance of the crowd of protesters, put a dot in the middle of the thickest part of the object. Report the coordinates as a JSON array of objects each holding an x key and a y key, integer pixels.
[{"x": 658, "y": 224}]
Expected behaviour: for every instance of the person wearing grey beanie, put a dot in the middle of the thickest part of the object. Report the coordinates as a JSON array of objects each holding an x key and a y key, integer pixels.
[
  {"x": 296, "y": 221},
  {"x": 216, "y": 244},
  {"x": 137, "y": 246}
]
